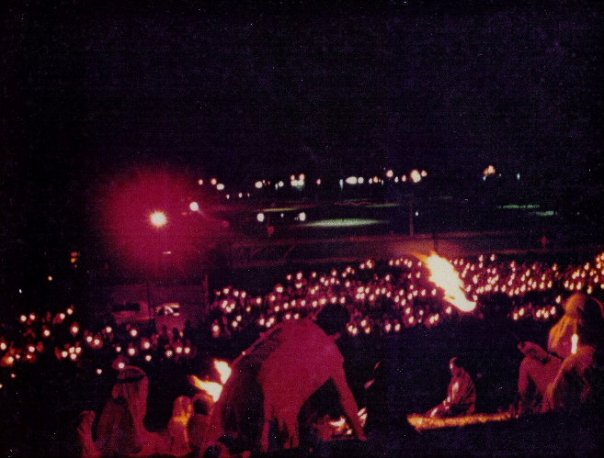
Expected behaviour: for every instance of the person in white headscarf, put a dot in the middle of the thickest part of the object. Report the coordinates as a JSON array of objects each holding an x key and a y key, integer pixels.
[
  {"x": 539, "y": 367},
  {"x": 121, "y": 430},
  {"x": 579, "y": 384}
]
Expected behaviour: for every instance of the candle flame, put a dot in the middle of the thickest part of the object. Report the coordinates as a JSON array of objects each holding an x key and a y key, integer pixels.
[
  {"x": 574, "y": 342},
  {"x": 443, "y": 274}
]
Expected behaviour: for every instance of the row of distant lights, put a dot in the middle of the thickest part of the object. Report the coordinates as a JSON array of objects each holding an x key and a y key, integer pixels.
[
  {"x": 299, "y": 181},
  {"x": 219, "y": 187},
  {"x": 261, "y": 217},
  {"x": 491, "y": 171},
  {"x": 159, "y": 219}
]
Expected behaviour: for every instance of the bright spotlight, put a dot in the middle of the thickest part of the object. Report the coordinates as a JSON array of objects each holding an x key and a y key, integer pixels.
[
  {"x": 260, "y": 217},
  {"x": 158, "y": 219},
  {"x": 194, "y": 206}
]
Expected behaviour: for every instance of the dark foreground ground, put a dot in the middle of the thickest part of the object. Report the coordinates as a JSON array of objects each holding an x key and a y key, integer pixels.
[{"x": 548, "y": 435}]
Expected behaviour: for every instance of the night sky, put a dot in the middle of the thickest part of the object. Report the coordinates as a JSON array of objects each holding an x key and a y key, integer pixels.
[{"x": 91, "y": 88}]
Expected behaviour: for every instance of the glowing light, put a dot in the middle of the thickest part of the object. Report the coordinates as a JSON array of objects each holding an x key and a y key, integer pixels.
[
  {"x": 574, "y": 342},
  {"x": 158, "y": 219},
  {"x": 260, "y": 217},
  {"x": 302, "y": 216},
  {"x": 443, "y": 274},
  {"x": 415, "y": 176},
  {"x": 223, "y": 369},
  {"x": 194, "y": 206},
  {"x": 258, "y": 185},
  {"x": 213, "y": 389},
  {"x": 220, "y": 187}
]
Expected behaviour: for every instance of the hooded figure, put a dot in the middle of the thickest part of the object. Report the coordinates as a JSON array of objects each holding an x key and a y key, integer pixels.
[
  {"x": 539, "y": 368},
  {"x": 121, "y": 429},
  {"x": 559, "y": 342},
  {"x": 259, "y": 406},
  {"x": 579, "y": 384}
]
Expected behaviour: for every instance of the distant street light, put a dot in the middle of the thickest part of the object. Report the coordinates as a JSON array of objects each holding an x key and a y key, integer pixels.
[
  {"x": 158, "y": 219},
  {"x": 416, "y": 176}
]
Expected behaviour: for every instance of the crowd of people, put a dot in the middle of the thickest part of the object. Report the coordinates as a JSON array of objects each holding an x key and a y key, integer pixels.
[
  {"x": 386, "y": 298},
  {"x": 373, "y": 298}
]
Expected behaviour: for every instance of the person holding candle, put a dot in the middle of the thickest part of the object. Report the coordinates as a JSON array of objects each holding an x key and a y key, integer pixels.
[
  {"x": 539, "y": 367},
  {"x": 579, "y": 384}
]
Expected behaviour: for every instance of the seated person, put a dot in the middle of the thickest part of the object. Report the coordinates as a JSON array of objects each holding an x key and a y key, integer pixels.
[
  {"x": 461, "y": 393},
  {"x": 579, "y": 384},
  {"x": 537, "y": 370},
  {"x": 539, "y": 367}
]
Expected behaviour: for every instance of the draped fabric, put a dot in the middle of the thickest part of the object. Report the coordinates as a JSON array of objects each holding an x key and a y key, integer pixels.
[
  {"x": 270, "y": 382},
  {"x": 116, "y": 432},
  {"x": 579, "y": 385}
]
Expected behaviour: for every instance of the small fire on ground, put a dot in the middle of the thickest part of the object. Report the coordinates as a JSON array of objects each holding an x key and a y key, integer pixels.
[{"x": 210, "y": 387}]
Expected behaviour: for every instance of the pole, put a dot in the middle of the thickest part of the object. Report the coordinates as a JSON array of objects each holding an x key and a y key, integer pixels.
[{"x": 411, "y": 221}]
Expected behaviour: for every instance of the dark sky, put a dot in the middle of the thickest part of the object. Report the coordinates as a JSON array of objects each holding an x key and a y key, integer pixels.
[{"x": 89, "y": 88}]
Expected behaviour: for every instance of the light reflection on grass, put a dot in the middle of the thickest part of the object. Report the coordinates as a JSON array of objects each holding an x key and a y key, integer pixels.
[{"x": 344, "y": 222}]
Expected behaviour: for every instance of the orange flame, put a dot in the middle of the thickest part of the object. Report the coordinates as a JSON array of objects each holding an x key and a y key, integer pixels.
[
  {"x": 223, "y": 369},
  {"x": 443, "y": 274},
  {"x": 213, "y": 389},
  {"x": 340, "y": 425}
]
